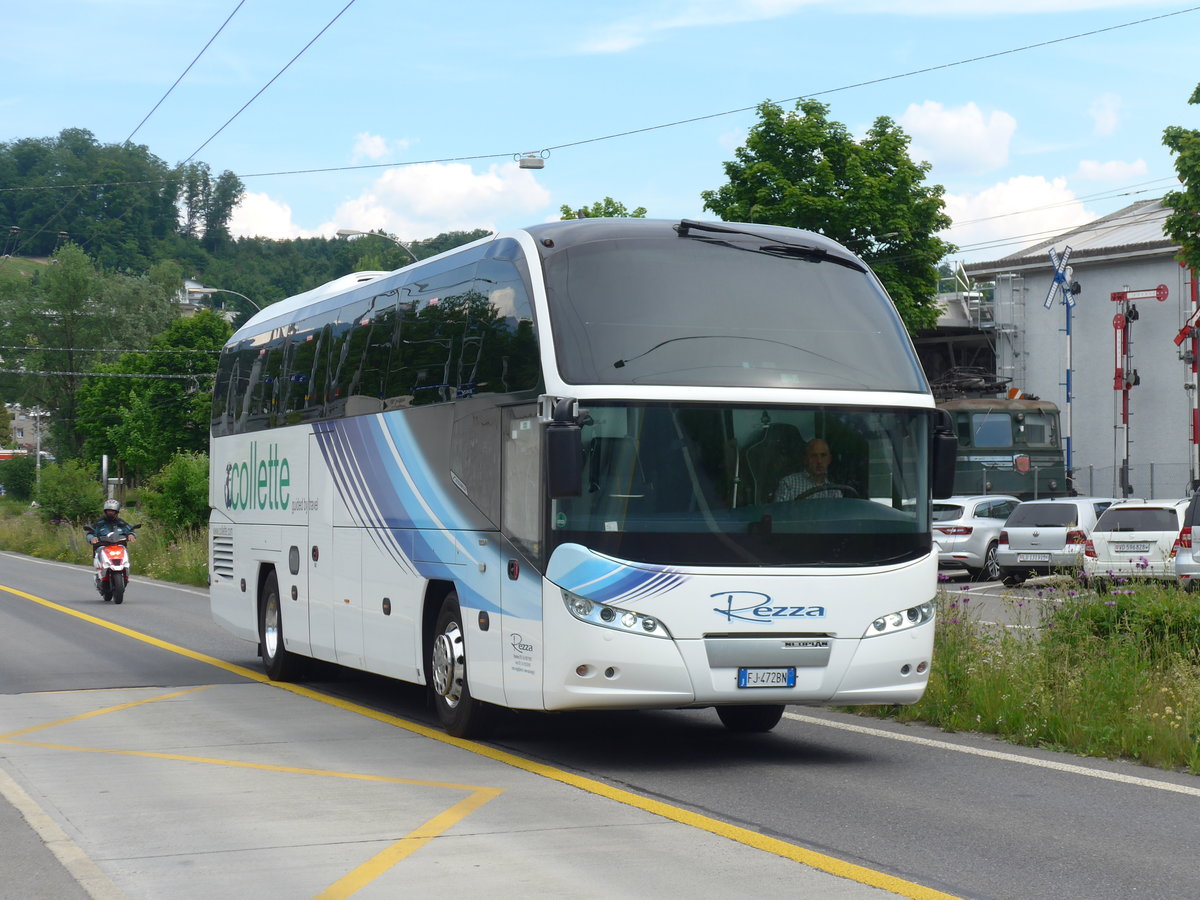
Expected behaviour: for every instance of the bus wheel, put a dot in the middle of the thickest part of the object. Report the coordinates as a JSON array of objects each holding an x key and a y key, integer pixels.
[
  {"x": 748, "y": 719},
  {"x": 280, "y": 665},
  {"x": 460, "y": 713}
]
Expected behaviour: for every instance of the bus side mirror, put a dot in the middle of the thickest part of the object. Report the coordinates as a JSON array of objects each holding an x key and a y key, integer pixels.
[
  {"x": 564, "y": 459},
  {"x": 943, "y": 456}
]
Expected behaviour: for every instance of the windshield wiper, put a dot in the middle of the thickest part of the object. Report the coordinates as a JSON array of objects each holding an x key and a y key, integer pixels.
[
  {"x": 794, "y": 251},
  {"x": 620, "y": 363}
]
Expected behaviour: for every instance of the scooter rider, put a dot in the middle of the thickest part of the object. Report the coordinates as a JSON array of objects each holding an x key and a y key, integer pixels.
[{"x": 110, "y": 523}]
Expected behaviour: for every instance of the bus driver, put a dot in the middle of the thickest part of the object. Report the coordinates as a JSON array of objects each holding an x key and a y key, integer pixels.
[{"x": 813, "y": 481}]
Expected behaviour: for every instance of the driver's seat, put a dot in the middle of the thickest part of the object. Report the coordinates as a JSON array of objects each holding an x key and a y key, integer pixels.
[{"x": 778, "y": 453}]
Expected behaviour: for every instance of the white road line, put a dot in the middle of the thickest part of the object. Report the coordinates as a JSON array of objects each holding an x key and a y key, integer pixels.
[
  {"x": 88, "y": 569},
  {"x": 70, "y": 854},
  {"x": 1005, "y": 757}
]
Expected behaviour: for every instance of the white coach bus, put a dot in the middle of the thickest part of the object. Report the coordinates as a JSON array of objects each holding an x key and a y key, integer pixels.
[{"x": 541, "y": 471}]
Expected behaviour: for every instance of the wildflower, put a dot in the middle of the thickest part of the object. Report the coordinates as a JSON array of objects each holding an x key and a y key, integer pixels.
[
  {"x": 965, "y": 587},
  {"x": 1110, "y": 602}
]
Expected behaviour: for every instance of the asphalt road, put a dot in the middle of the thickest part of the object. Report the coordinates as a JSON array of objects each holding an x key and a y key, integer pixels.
[{"x": 926, "y": 812}]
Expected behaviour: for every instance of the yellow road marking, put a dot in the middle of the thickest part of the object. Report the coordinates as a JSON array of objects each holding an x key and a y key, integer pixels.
[
  {"x": 811, "y": 858},
  {"x": 97, "y": 712}
]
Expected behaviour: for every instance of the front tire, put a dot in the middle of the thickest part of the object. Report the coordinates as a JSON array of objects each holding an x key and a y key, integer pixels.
[
  {"x": 460, "y": 713},
  {"x": 116, "y": 584},
  {"x": 279, "y": 664},
  {"x": 750, "y": 719}
]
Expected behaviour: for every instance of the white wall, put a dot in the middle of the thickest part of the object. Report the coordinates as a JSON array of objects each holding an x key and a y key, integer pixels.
[{"x": 1034, "y": 347}]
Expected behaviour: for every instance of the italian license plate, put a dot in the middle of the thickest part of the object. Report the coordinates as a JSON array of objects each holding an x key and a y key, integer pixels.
[
  {"x": 1033, "y": 557},
  {"x": 1131, "y": 548},
  {"x": 783, "y": 676}
]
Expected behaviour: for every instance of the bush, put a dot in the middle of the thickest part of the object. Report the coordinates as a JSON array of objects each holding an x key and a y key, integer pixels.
[
  {"x": 177, "y": 497},
  {"x": 69, "y": 492},
  {"x": 18, "y": 477}
]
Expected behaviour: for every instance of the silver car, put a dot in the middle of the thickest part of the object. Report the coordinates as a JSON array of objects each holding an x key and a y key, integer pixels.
[
  {"x": 1186, "y": 549},
  {"x": 1135, "y": 539},
  {"x": 1044, "y": 536},
  {"x": 966, "y": 532}
]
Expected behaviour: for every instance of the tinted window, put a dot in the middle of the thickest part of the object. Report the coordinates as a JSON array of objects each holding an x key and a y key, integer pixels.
[
  {"x": 946, "y": 512},
  {"x": 1138, "y": 519},
  {"x": 732, "y": 312},
  {"x": 1045, "y": 515}
]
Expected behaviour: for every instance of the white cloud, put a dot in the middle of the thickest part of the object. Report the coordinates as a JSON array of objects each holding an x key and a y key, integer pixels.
[
  {"x": 257, "y": 215},
  {"x": 373, "y": 146},
  {"x": 420, "y": 201},
  {"x": 1113, "y": 170},
  {"x": 1105, "y": 114},
  {"x": 411, "y": 202},
  {"x": 369, "y": 146},
  {"x": 959, "y": 140},
  {"x": 1010, "y": 215}
]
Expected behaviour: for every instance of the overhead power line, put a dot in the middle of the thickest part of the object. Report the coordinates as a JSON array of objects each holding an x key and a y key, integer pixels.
[
  {"x": 269, "y": 83},
  {"x": 185, "y": 71},
  {"x": 608, "y": 137}
]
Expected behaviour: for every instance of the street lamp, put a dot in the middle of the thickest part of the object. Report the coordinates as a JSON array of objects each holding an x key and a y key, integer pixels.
[
  {"x": 350, "y": 232},
  {"x": 208, "y": 290}
]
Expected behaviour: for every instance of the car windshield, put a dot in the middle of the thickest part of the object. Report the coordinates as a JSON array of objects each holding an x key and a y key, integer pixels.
[
  {"x": 1044, "y": 515},
  {"x": 1138, "y": 519}
]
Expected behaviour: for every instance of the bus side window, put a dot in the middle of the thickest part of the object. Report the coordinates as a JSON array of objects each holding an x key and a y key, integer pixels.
[
  {"x": 434, "y": 316},
  {"x": 508, "y": 357}
]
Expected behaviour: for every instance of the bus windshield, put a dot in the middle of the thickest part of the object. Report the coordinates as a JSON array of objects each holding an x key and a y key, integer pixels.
[
  {"x": 737, "y": 313},
  {"x": 705, "y": 484}
]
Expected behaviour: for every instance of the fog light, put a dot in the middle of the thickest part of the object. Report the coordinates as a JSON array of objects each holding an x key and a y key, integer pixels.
[
  {"x": 921, "y": 667},
  {"x": 905, "y": 669}
]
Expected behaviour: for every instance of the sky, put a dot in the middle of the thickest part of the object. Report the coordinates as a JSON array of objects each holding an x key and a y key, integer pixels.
[{"x": 411, "y": 116}]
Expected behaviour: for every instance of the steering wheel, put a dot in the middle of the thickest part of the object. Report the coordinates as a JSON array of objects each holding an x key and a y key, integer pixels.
[{"x": 847, "y": 490}]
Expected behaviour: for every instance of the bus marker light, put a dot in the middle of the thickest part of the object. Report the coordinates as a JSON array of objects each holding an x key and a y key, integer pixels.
[
  {"x": 922, "y": 666},
  {"x": 610, "y": 672}
]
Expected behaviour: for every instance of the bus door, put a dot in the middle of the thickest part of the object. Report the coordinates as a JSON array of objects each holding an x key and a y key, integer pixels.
[
  {"x": 321, "y": 556},
  {"x": 521, "y": 585}
]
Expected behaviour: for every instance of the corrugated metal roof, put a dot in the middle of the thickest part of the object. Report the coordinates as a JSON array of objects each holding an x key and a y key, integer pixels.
[{"x": 1138, "y": 226}]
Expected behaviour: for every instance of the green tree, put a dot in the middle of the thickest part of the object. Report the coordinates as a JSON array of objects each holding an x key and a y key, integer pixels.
[
  {"x": 607, "y": 208},
  {"x": 177, "y": 496},
  {"x": 803, "y": 170},
  {"x": 19, "y": 476},
  {"x": 72, "y": 315},
  {"x": 1183, "y": 223},
  {"x": 69, "y": 492},
  {"x": 142, "y": 422}
]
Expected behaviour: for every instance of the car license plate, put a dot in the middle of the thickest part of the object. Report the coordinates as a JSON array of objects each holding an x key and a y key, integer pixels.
[
  {"x": 1033, "y": 557},
  {"x": 784, "y": 676},
  {"x": 1131, "y": 548}
]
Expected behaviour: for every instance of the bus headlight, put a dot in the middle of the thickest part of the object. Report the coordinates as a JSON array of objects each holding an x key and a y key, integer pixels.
[
  {"x": 617, "y": 619},
  {"x": 901, "y": 620}
]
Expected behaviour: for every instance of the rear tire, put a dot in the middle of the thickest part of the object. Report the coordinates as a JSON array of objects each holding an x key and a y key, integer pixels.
[
  {"x": 116, "y": 586},
  {"x": 991, "y": 569},
  {"x": 460, "y": 713},
  {"x": 750, "y": 719},
  {"x": 279, "y": 664}
]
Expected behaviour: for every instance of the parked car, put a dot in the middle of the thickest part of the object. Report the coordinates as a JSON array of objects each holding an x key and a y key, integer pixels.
[
  {"x": 1187, "y": 556},
  {"x": 966, "y": 532},
  {"x": 1044, "y": 536},
  {"x": 1135, "y": 539}
]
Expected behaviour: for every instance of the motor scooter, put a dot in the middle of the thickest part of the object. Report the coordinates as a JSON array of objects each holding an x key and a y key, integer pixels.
[{"x": 112, "y": 562}]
